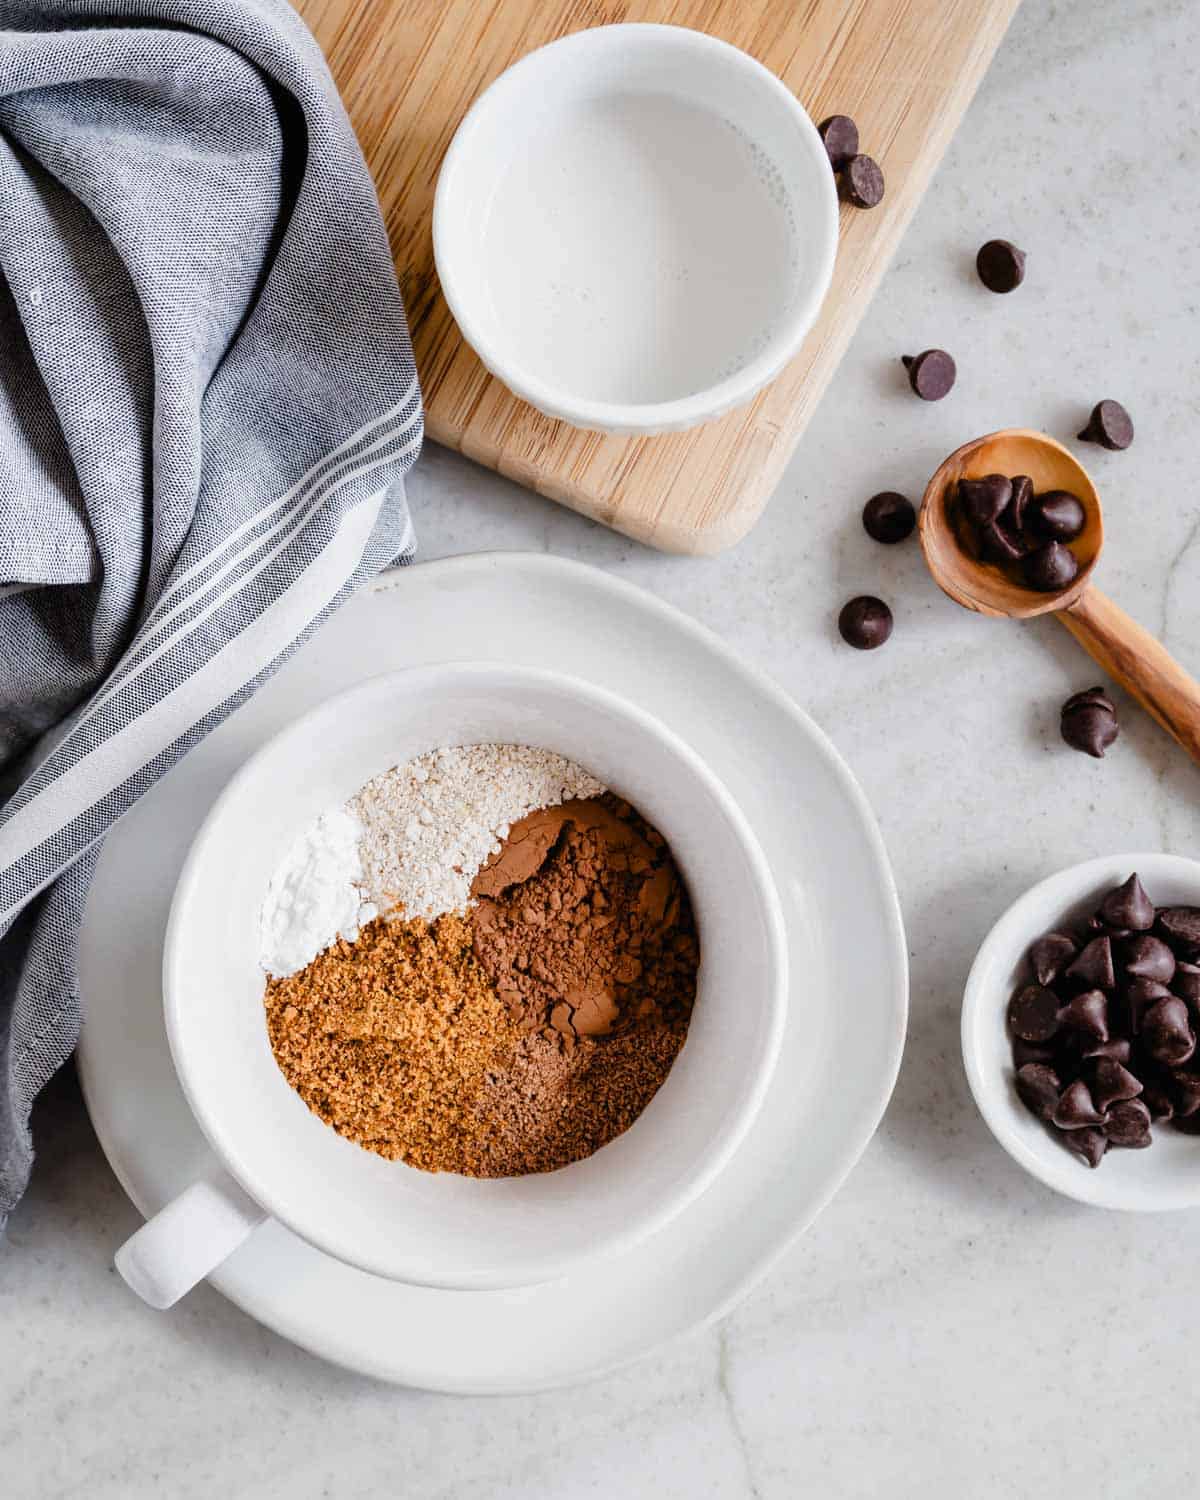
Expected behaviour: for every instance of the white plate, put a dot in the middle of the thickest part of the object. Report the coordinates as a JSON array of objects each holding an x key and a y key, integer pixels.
[{"x": 838, "y": 1061}]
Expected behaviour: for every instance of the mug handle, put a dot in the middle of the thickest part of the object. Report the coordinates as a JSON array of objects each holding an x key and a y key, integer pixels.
[{"x": 187, "y": 1239}]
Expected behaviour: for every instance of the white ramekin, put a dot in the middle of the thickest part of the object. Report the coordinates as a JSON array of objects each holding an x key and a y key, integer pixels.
[
  {"x": 1165, "y": 1175},
  {"x": 635, "y": 227}
]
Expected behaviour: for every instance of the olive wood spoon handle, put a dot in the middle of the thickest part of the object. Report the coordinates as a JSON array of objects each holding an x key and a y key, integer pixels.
[{"x": 1140, "y": 663}]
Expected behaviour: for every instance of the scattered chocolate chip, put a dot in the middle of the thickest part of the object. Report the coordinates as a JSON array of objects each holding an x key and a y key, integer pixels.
[
  {"x": 1110, "y": 1082},
  {"x": 1089, "y": 721},
  {"x": 1050, "y": 955},
  {"x": 982, "y": 500},
  {"x": 1146, "y": 957},
  {"x": 1087, "y": 1013},
  {"x": 1033, "y": 1013},
  {"x": 1051, "y": 568},
  {"x": 1127, "y": 906},
  {"x": 1189, "y": 1125},
  {"x": 931, "y": 375},
  {"x": 1095, "y": 695},
  {"x": 865, "y": 623},
  {"x": 1075, "y": 1108},
  {"x": 1129, "y": 1125},
  {"x": 1058, "y": 514},
  {"x": 1039, "y": 1089},
  {"x": 1156, "y": 1099},
  {"x": 840, "y": 134},
  {"x": 1090, "y": 1144},
  {"x": 1140, "y": 995},
  {"x": 1185, "y": 1092},
  {"x": 1167, "y": 1033},
  {"x": 1001, "y": 265},
  {"x": 1092, "y": 969},
  {"x": 1180, "y": 926},
  {"x": 1110, "y": 425},
  {"x": 862, "y": 181},
  {"x": 889, "y": 517}
]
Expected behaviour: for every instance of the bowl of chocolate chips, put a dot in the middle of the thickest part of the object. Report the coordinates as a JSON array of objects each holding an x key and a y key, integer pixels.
[{"x": 1081, "y": 1031}]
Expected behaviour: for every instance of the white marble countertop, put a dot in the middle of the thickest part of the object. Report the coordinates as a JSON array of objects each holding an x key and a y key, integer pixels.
[{"x": 948, "y": 1327}]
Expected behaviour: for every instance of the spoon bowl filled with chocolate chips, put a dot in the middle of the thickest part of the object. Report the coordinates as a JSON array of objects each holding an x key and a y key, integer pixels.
[
  {"x": 1011, "y": 526},
  {"x": 1081, "y": 1031}
]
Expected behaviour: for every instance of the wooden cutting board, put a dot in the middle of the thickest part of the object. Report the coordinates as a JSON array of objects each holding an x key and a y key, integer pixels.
[{"x": 409, "y": 69}]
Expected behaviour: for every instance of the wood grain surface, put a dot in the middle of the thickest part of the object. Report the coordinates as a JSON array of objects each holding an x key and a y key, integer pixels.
[{"x": 409, "y": 69}]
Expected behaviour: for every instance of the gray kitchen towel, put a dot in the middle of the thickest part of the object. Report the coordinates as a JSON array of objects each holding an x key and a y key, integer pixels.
[{"x": 207, "y": 406}]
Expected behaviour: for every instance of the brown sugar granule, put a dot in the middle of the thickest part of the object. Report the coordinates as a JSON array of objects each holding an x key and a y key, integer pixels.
[
  {"x": 389, "y": 1039},
  {"x": 520, "y": 1038}
]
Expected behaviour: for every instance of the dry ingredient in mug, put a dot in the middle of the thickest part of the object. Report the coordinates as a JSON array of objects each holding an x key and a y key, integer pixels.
[{"x": 530, "y": 1024}]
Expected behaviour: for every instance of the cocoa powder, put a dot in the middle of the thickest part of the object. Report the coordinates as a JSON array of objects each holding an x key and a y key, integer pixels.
[{"x": 585, "y": 930}]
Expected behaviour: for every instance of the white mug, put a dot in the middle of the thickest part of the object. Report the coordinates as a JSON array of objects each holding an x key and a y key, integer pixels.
[{"x": 443, "y": 1230}]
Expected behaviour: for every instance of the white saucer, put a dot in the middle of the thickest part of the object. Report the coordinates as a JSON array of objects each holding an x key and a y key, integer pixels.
[{"x": 840, "y": 1054}]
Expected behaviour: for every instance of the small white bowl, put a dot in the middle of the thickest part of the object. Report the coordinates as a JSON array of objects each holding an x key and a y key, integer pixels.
[
  {"x": 383, "y": 1216},
  {"x": 1163, "y": 1176},
  {"x": 635, "y": 227}
]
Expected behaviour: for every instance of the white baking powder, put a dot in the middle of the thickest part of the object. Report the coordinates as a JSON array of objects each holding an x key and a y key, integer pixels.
[{"x": 315, "y": 896}]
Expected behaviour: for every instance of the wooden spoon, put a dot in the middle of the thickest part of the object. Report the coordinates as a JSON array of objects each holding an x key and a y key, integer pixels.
[{"x": 1129, "y": 654}]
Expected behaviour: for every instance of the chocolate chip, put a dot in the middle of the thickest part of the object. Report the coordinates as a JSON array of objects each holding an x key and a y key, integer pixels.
[
  {"x": 1093, "y": 968},
  {"x": 1186, "y": 984},
  {"x": 865, "y": 623},
  {"x": 1031, "y": 1052},
  {"x": 1110, "y": 425},
  {"x": 1118, "y": 1048},
  {"x": 1189, "y": 1126},
  {"x": 1180, "y": 926},
  {"x": 1156, "y": 1099},
  {"x": 1095, "y": 695},
  {"x": 1185, "y": 1093},
  {"x": 1147, "y": 957},
  {"x": 982, "y": 500},
  {"x": 1058, "y": 514},
  {"x": 889, "y": 517},
  {"x": 1033, "y": 1013},
  {"x": 1128, "y": 905},
  {"x": 998, "y": 544},
  {"x": 1129, "y": 1125},
  {"x": 1039, "y": 1088},
  {"x": 1015, "y": 516},
  {"x": 1140, "y": 995},
  {"x": 1051, "y": 568},
  {"x": 1001, "y": 265},
  {"x": 1089, "y": 1144},
  {"x": 1087, "y": 1013},
  {"x": 862, "y": 182},
  {"x": 1167, "y": 1033},
  {"x": 840, "y": 134},
  {"x": 1075, "y": 1108},
  {"x": 1050, "y": 954},
  {"x": 931, "y": 375},
  {"x": 1111, "y": 1081},
  {"x": 1089, "y": 721}
]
